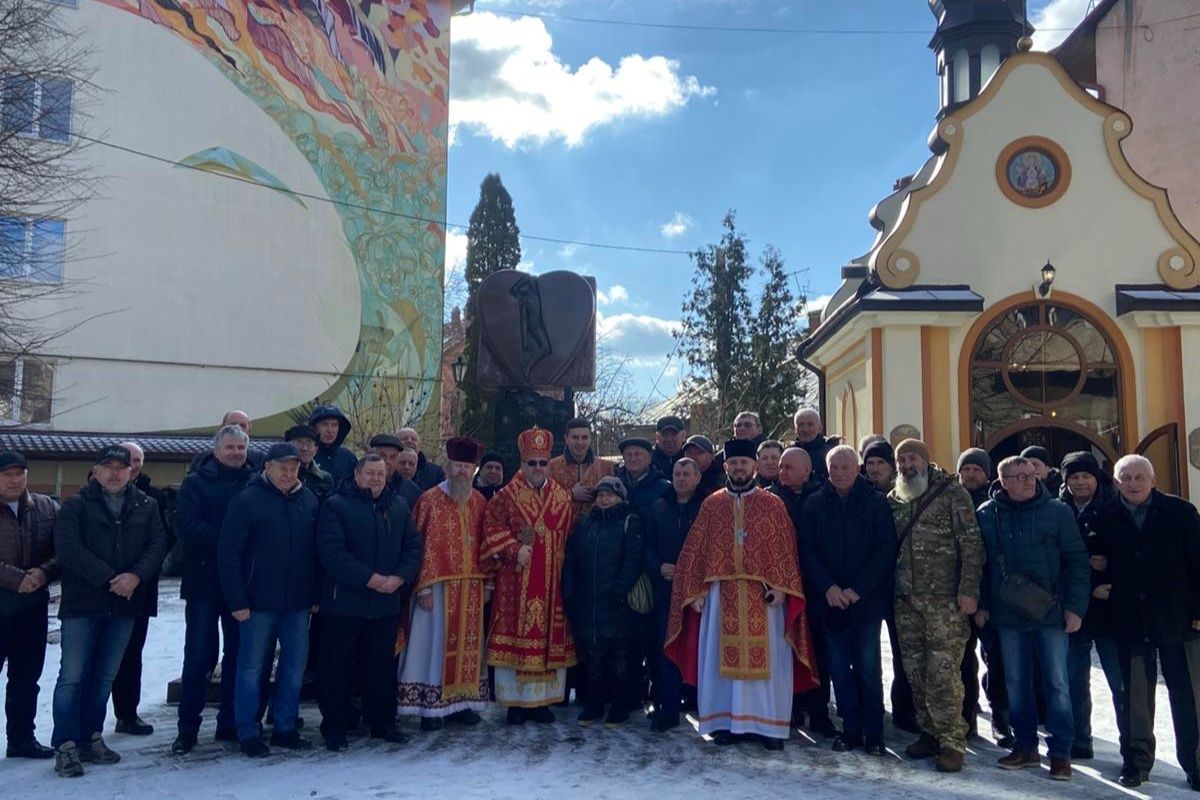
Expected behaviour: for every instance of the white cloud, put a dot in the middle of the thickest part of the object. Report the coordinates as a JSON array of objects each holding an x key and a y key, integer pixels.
[
  {"x": 507, "y": 83},
  {"x": 1055, "y": 20},
  {"x": 525, "y": 265},
  {"x": 679, "y": 225},
  {"x": 616, "y": 294},
  {"x": 819, "y": 302},
  {"x": 567, "y": 250},
  {"x": 638, "y": 336},
  {"x": 456, "y": 253}
]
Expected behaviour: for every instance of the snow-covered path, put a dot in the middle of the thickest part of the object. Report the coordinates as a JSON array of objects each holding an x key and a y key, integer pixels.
[{"x": 555, "y": 761}]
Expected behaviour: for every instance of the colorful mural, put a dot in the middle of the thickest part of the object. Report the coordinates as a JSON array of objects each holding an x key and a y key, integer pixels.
[{"x": 360, "y": 87}]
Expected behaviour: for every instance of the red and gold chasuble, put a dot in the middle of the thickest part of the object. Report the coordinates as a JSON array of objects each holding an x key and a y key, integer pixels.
[
  {"x": 453, "y": 532},
  {"x": 747, "y": 543},
  {"x": 528, "y": 627}
]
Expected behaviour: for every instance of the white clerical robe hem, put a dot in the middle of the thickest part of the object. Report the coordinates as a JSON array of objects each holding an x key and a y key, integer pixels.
[
  {"x": 763, "y": 707},
  {"x": 420, "y": 673},
  {"x": 513, "y": 688}
]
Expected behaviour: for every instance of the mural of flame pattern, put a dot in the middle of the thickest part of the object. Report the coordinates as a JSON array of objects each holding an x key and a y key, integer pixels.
[{"x": 360, "y": 87}]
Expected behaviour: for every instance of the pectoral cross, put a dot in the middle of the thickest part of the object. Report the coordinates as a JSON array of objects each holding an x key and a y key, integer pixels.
[{"x": 739, "y": 522}]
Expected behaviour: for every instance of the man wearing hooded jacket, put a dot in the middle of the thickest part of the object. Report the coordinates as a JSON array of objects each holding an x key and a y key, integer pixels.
[{"x": 332, "y": 427}]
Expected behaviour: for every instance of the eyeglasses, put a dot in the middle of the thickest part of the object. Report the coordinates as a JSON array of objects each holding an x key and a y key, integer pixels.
[
  {"x": 536, "y": 463},
  {"x": 1020, "y": 477}
]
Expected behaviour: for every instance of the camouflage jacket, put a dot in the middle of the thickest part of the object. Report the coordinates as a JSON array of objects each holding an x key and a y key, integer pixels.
[{"x": 943, "y": 554}]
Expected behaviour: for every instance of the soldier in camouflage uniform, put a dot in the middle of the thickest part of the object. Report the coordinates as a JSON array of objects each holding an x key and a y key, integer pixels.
[{"x": 938, "y": 569}]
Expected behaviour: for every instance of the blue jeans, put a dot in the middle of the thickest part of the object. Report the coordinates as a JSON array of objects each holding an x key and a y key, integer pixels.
[
  {"x": 200, "y": 649},
  {"x": 1079, "y": 672},
  {"x": 855, "y": 664},
  {"x": 256, "y": 644},
  {"x": 1049, "y": 647},
  {"x": 92, "y": 648}
]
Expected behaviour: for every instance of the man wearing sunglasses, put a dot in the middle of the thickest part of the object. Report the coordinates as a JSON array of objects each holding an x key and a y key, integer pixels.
[{"x": 524, "y": 541}]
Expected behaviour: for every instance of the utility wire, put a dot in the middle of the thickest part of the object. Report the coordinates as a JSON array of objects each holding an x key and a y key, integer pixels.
[
  {"x": 681, "y": 26},
  {"x": 363, "y": 207}
]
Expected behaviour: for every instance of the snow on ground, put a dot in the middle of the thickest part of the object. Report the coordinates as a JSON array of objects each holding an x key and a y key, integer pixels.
[{"x": 554, "y": 761}]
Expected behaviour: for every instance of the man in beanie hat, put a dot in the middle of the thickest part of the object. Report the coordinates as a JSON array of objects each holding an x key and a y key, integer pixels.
[
  {"x": 975, "y": 473},
  {"x": 742, "y": 641},
  {"x": 579, "y": 468},
  {"x": 525, "y": 536},
  {"x": 489, "y": 478},
  {"x": 879, "y": 465},
  {"x": 939, "y": 565},
  {"x": 1086, "y": 490},
  {"x": 441, "y": 676},
  {"x": 27, "y": 568},
  {"x": 1043, "y": 465}
]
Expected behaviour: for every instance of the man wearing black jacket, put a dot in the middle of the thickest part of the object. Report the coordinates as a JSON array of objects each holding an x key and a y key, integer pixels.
[
  {"x": 809, "y": 437},
  {"x": 391, "y": 450},
  {"x": 1151, "y": 544},
  {"x": 27, "y": 568},
  {"x": 848, "y": 547},
  {"x": 370, "y": 549},
  {"x": 332, "y": 427},
  {"x": 428, "y": 474},
  {"x": 204, "y": 498},
  {"x": 712, "y": 471},
  {"x": 267, "y": 558},
  {"x": 671, "y": 518},
  {"x": 110, "y": 542}
]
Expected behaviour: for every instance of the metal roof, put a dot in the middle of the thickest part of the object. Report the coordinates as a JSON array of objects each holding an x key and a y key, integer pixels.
[
  {"x": 1155, "y": 297},
  {"x": 80, "y": 446}
]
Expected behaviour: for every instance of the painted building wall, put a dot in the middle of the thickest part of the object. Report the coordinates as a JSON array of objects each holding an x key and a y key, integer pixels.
[
  {"x": 316, "y": 275},
  {"x": 1151, "y": 73}
]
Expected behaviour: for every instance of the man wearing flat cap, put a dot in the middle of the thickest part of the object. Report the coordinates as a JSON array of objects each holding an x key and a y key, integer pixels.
[
  {"x": 712, "y": 470},
  {"x": 578, "y": 469},
  {"x": 742, "y": 641},
  {"x": 525, "y": 537},
  {"x": 27, "y": 568},
  {"x": 110, "y": 542},
  {"x": 443, "y": 677},
  {"x": 315, "y": 479},
  {"x": 267, "y": 559},
  {"x": 670, "y": 435},
  {"x": 391, "y": 450}
]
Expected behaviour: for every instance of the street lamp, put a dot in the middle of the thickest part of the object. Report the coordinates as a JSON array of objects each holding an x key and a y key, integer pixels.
[
  {"x": 1048, "y": 272},
  {"x": 459, "y": 370}
]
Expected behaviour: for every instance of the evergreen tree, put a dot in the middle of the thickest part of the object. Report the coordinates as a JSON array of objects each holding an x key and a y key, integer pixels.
[
  {"x": 713, "y": 334},
  {"x": 773, "y": 378},
  {"x": 493, "y": 244}
]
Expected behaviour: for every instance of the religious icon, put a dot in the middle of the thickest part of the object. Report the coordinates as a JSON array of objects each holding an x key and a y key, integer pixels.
[
  {"x": 526, "y": 536},
  {"x": 1032, "y": 172}
]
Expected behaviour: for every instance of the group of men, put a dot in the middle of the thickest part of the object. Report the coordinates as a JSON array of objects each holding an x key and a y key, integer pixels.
[{"x": 772, "y": 570}]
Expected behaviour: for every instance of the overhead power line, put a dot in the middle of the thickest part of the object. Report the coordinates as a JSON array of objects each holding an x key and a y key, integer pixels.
[
  {"x": 784, "y": 31},
  {"x": 372, "y": 209}
]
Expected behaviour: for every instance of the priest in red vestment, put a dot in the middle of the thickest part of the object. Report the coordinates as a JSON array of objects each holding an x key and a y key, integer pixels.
[
  {"x": 737, "y": 627},
  {"x": 525, "y": 537},
  {"x": 442, "y": 673}
]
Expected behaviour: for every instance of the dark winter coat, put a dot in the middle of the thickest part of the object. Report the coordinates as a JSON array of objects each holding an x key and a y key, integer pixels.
[
  {"x": 203, "y": 498},
  {"x": 316, "y": 480},
  {"x": 1098, "y": 610},
  {"x": 794, "y": 501},
  {"x": 1037, "y": 539},
  {"x": 337, "y": 460},
  {"x": 665, "y": 532},
  {"x": 663, "y": 462},
  {"x": 602, "y": 564},
  {"x": 26, "y": 541},
  {"x": 160, "y": 497},
  {"x": 849, "y": 543},
  {"x": 253, "y": 460},
  {"x": 358, "y": 536},
  {"x": 641, "y": 492},
  {"x": 428, "y": 474},
  {"x": 268, "y": 549},
  {"x": 484, "y": 489},
  {"x": 817, "y": 449},
  {"x": 403, "y": 487},
  {"x": 1154, "y": 572},
  {"x": 93, "y": 547},
  {"x": 712, "y": 479}
]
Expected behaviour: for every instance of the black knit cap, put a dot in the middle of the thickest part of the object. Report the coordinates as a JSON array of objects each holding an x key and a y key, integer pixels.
[
  {"x": 880, "y": 449},
  {"x": 490, "y": 457},
  {"x": 1040, "y": 453},
  {"x": 1082, "y": 461}
]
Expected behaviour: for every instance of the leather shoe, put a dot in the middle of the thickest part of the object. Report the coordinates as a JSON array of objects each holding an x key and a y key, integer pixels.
[
  {"x": 183, "y": 744},
  {"x": 1130, "y": 777},
  {"x": 875, "y": 748},
  {"x": 390, "y": 735},
  {"x": 663, "y": 723},
  {"x": 774, "y": 745},
  {"x": 723, "y": 738},
  {"x": 29, "y": 749},
  {"x": 844, "y": 743},
  {"x": 134, "y": 727}
]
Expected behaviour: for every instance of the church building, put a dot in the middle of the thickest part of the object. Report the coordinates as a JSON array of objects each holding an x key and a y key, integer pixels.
[{"x": 1027, "y": 285}]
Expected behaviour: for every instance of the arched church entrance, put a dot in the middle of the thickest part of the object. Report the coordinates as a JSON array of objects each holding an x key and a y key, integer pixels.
[{"x": 1047, "y": 372}]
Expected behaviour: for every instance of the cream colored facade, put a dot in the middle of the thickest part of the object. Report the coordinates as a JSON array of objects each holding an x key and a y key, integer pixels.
[{"x": 960, "y": 248}]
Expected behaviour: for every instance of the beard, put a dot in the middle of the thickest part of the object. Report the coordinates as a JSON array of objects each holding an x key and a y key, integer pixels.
[
  {"x": 911, "y": 488},
  {"x": 460, "y": 488}
]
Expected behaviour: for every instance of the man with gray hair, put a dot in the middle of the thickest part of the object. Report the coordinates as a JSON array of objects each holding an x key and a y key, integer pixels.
[
  {"x": 203, "y": 500},
  {"x": 428, "y": 474},
  {"x": 748, "y": 426},
  {"x": 1150, "y": 545},
  {"x": 238, "y": 419},
  {"x": 811, "y": 438}
]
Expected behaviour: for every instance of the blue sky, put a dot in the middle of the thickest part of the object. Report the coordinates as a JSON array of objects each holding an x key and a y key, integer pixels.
[{"x": 646, "y": 136}]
